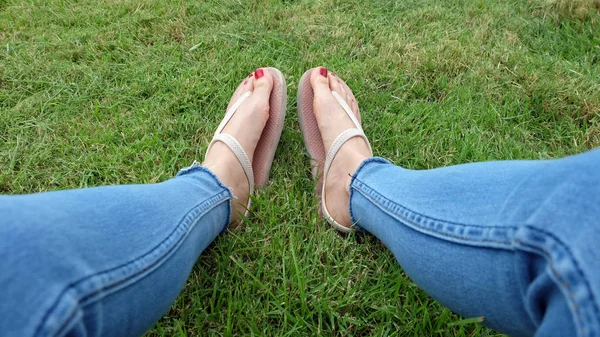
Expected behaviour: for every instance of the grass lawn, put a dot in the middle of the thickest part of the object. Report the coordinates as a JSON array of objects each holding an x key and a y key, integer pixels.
[{"x": 117, "y": 92}]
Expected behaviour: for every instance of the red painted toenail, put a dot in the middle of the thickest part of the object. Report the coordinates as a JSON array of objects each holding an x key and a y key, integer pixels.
[
  {"x": 245, "y": 82},
  {"x": 332, "y": 74},
  {"x": 251, "y": 74},
  {"x": 323, "y": 72},
  {"x": 259, "y": 73}
]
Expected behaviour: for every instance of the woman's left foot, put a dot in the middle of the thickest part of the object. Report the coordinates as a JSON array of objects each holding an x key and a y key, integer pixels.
[{"x": 332, "y": 121}]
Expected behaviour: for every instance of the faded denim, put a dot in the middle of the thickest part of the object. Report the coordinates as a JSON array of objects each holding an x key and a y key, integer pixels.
[
  {"x": 517, "y": 242},
  {"x": 103, "y": 261}
]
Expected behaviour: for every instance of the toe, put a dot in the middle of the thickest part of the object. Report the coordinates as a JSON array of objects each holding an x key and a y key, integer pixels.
[
  {"x": 355, "y": 108},
  {"x": 320, "y": 82},
  {"x": 334, "y": 84},
  {"x": 348, "y": 98},
  {"x": 343, "y": 92},
  {"x": 248, "y": 84},
  {"x": 262, "y": 82}
]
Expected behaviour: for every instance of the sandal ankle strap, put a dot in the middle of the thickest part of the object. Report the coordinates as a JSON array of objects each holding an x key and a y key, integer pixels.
[{"x": 239, "y": 153}]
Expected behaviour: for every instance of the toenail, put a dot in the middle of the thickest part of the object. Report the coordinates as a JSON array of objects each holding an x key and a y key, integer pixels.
[
  {"x": 323, "y": 72},
  {"x": 332, "y": 74},
  {"x": 259, "y": 73},
  {"x": 245, "y": 82},
  {"x": 251, "y": 74}
]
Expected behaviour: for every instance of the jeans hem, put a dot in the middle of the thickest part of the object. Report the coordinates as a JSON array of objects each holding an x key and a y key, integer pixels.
[
  {"x": 197, "y": 167},
  {"x": 353, "y": 219}
]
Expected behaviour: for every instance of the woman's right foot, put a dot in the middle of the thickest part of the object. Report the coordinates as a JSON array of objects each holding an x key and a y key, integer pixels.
[
  {"x": 332, "y": 121},
  {"x": 246, "y": 127}
]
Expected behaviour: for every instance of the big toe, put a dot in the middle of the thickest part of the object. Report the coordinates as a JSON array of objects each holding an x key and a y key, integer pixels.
[
  {"x": 263, "y": 83},
  {"x": 319, "y": 81},
  {"x": 250, "y": 119}
]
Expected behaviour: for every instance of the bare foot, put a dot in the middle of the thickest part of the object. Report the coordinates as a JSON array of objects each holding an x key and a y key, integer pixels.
[
  {"x": 333, "y": 120},
  {"x": 246, "y": 127}
]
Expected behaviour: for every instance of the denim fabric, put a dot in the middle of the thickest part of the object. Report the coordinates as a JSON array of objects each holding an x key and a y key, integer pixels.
[
  {"x": 517, "y": 242},
  {"x": 105, "y": 261}
]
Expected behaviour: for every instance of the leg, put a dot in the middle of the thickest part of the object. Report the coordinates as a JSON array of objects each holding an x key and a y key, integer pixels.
[
  {"x": 514, "y": 241},
  {"x": 108, "y": 260}
]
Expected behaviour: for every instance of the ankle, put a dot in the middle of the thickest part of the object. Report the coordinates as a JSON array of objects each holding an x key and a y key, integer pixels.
[
  {"x": 231, "y": 175},
  {"x": 346, "y": 165},
  {"x": 227, "y": 172}
]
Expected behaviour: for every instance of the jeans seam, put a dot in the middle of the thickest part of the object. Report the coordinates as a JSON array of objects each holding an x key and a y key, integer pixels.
[
  {"x": 201, "y": 209},
  {"x": 371, "y": 190},
  {"x": 393, "y": 209}
]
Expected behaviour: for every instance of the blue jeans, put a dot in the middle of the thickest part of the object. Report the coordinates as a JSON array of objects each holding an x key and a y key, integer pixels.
[{"x": 517, "y": 242}]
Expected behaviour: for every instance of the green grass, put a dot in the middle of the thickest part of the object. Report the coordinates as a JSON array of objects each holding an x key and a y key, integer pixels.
[{"x": 116, "y": 92}]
